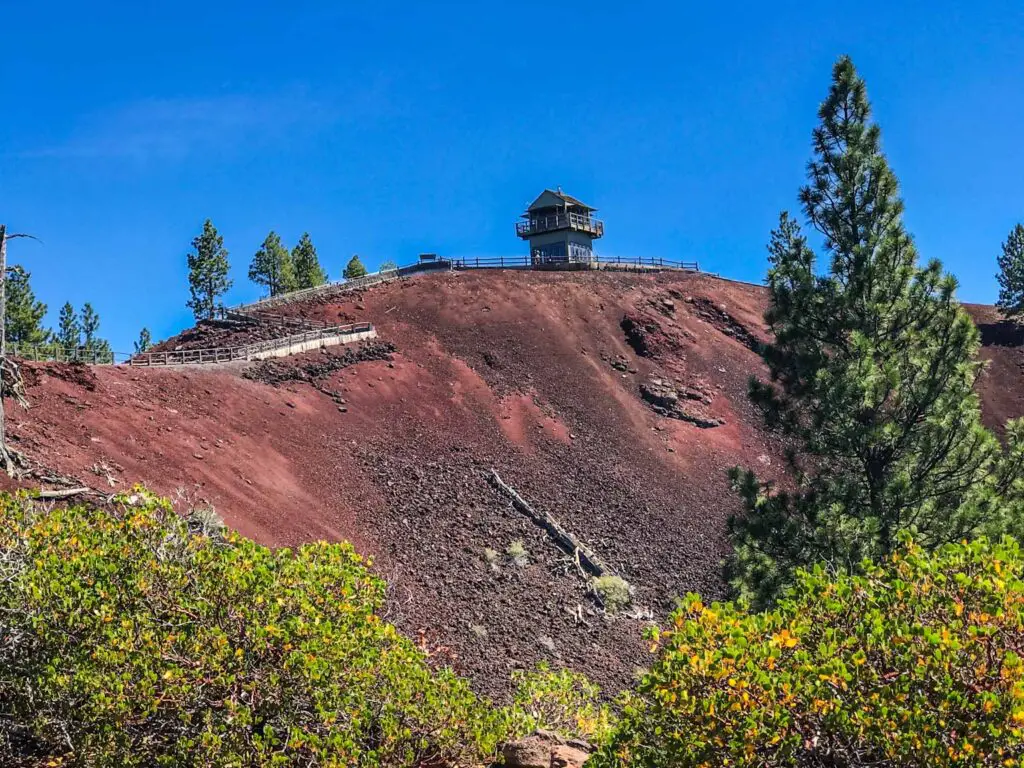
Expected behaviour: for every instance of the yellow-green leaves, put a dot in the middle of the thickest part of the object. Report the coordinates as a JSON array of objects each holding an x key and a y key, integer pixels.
[
  {"x": 914, "y": 663},
  {"x": 126, "y": 640}
]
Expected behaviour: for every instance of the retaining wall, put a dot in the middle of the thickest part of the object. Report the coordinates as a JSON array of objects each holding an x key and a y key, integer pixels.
[{"x": 299, "y": 347}]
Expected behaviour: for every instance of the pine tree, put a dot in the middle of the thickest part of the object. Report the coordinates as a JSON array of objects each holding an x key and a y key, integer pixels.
[
  {"x": 69, "y": 330},
  {"x": 90, "y": 325},
  {"x": 24, "y": 315},
  {"x": 93, "y": 347},
  {"x": 1011, "y": 274},
  {"x": 306, "y": 264},
  {"x": 872, "y": 366},
  {"x": 354, "y": 269},
  {"x": 387, "y": 265},
  {"x": 207, "y": 273},
  {"x": 145, "y": 341},
  {"x": 272, "y": 266}
]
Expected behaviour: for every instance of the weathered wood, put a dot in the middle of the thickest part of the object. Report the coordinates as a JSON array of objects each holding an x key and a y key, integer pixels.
[
  {"x": 64, "y": 493},
  {"x": 7, "y": 456},
  {"x": 569, "y": 543}
]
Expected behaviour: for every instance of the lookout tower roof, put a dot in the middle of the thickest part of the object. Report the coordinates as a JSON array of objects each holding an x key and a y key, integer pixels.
[{"x": 552, "y": 198}]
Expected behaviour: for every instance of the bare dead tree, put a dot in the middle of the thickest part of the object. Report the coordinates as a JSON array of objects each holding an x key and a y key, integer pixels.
[{"x": 7, "y": 369}]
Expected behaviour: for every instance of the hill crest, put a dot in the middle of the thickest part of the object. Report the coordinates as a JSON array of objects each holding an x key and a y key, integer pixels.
[{"x": 616, "y": 402}]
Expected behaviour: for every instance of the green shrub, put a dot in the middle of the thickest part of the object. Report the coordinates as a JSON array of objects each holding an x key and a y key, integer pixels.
[
  {"x": 127, "y": 639},
  {"x": 613, "y": 592},
  {"x": 564, "y": 701},
  {"x": 517, "y": 553},
  {"x": 914, "y": 663}
]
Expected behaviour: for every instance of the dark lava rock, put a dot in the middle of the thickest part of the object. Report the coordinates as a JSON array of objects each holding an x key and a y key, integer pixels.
[
  {"x": 275, "y": 372},
  {"x": 664, "y": 398}
]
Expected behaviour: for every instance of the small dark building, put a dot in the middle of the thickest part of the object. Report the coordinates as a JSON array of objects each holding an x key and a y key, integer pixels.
[{"x": 560, "y": 229}]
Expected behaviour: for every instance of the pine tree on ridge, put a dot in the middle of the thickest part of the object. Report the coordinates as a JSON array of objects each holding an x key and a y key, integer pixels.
[
  {"x": 69, "y": 329},
  {"x": 271, "y": 266},
  {"x": 207, "y": 273},
  {"x": 872, "y": 369},
  {"x": 306, "y": 264},
  {"x": 1011, "y": 274}
]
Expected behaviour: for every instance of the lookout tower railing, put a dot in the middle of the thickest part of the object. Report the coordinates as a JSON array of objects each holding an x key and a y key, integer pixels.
[{"x": 578, "y": 222}]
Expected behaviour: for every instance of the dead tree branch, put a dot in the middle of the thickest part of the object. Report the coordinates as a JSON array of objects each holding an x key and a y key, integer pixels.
[
  {"x": 64, "y": 493},
  {"x": 576, "y": 549}
]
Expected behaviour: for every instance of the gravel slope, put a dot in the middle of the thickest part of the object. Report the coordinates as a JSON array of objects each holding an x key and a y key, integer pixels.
[{"x": 537, "y": 375}]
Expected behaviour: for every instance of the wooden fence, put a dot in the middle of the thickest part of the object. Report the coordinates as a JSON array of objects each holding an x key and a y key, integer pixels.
[
  {"x": 344, "y": 286},
  {"x": 248, "y": 351},
  {"x": 649, "y": 262},
  {"x": 204, "y": 356},
  {"x": 40, "y": 352},
  {"x": 636, "y": 263},
  {"x": 271, "y": 319},
  {"x": 256, "y": 312}
]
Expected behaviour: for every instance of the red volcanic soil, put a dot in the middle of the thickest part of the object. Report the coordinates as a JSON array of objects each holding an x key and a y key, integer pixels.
[
  {"x": 534, "y": 374},
  {"x": 1002, "y": 348}
]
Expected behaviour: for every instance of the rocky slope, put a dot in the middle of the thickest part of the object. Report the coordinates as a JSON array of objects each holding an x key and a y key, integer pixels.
[{"x": 614, "y": 403}]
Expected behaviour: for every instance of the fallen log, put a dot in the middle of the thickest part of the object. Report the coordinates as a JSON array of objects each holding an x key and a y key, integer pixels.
[
  {"x": 572, "y": 546},
  {"x": 64, "y": 493}
]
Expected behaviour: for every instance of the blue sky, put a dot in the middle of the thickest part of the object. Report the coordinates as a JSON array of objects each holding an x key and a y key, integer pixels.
[{"x": 391, "y": 128}]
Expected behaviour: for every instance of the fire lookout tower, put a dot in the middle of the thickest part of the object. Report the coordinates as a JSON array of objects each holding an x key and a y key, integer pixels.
[{"x": 560, "y": 229}]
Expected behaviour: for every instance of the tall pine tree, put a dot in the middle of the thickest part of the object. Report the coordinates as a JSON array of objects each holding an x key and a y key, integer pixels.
[
  {"x": 207, "y": 273},
  {"x": 272, "y": 266},
  {"x": 24, "y": 315},
  {"x": 872, "y": 366},
  {"x": 69, "y": 330},
  {"x": 90, "y": 325},
  {"x": 1011, "y": 274},
  {"x": 93, "y": 346},
  {"x": 145, "y": 341},
  {"x": 306, "y": 264}
]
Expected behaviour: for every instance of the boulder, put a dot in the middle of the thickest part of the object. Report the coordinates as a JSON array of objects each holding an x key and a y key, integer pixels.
[
  {"x": 564, "y": 756},
  {"x": 531, "y": 752},
  {"x": 664, "y": 398},
  {"x": 545, "y": 749}
]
